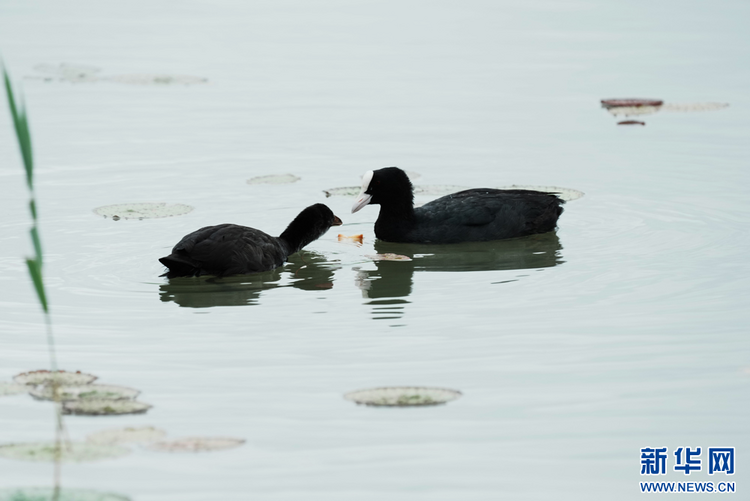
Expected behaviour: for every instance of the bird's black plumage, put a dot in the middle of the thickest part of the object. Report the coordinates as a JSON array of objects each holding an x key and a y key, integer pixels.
[
  {"x": 475, "y": 215},
  {"x": 231, "y": 249}
]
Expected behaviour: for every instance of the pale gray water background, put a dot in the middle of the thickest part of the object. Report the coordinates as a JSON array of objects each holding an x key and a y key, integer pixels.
[{"x": 637, "y": 337}]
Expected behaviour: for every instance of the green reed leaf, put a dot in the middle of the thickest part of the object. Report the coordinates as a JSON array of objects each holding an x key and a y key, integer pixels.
[
  {"x": 37, "y": 244},
  {"x": 22, "y": 131},
  {"x": 35, "y": 271}
]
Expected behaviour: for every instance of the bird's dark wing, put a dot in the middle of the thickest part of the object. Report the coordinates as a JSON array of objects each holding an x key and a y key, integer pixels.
[{"x": 226, "y": 249}]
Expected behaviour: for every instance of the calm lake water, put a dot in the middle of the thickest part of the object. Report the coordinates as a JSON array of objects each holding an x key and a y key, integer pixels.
[{"x": 625, "y": 329}]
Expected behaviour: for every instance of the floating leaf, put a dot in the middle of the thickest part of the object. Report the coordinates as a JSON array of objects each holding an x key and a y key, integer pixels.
[
  {"x": 142, "y": 434},
  {"x": 196, "y": 444},
  {"x": 438, "y": 189},
  {"x": 7, "y": 388},
  {"x": 70, "y": 452},
  {"x": 403, "y": 396},
  {"x": 142, "y": 210},
  {"x": 64, "y": 72},
  {"x": 343, "y": 191},
  {"x": 631, "y": 103},
  {"x": 47, "y": 494},
  {"x": 63, "y": 378},
  {"x": 631, "y": 122},
  {"x": 355, "y": 239},
  {"x": 274, "y": 179},
  {"x": 157, "y": 79},
  {"x": 688, "y": 107},
  {"x": 104, "y": 407},
  {"x": 567, "y": 194},
  {"x": 86, "y": 392},
  {"x": 388, "y": 256}
]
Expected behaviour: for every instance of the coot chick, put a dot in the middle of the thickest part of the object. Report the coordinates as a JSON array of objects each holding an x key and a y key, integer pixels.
[
  {"x": 231, "y": 249},
  {"x": 475, "y": 215}
]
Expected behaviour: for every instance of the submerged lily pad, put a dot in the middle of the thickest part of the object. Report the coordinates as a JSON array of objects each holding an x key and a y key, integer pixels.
[
  {"x": 157, "y": 79},
  {"x": 142, "y": 210},
  {"x": 196, "y": 444},
  {"x": 8, "y": 388},
  {"x": 64, "y": 378},
  {"x": 86, "y": 392},
  {"x": 404, "y": 396},
  {"x": 388, "y": 256},
  {"x": 139, "y": 435},
  {"x": 567, "y": 194},
  {"x": 438, "y": 189},
  {"x": 274, "y": 179},
  {"x": 70, "y": 452},
  {"x": 47, "y": 494},
  {"x": 104, "y": 407}
]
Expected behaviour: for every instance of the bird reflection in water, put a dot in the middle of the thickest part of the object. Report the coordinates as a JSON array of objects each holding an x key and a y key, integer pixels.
[
  {"x": 304, "y": 270},
  {"x": 390, "y": 283}
]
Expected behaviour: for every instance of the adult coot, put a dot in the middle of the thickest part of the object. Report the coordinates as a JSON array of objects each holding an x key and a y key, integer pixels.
[
  {"x": 474, "y": 215},
  {"x": 230, "y": 249}
]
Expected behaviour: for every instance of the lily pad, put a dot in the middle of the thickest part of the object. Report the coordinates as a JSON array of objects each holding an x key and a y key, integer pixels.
[
  {"x": 8, "y": 388},
  {"x": 196, "y": 444},
  {"x": 139, "y": 435},
  {"x": 65, "y": 72},
  {"x": 157, "y": 79},
  {"x": 631, "y": 103},
  {"x": 405, "y": 396},
  {"x": 70, "y": 452},
  {"x": 343, "y": 191},
  {"x": 688, "y": 107},
  {"x": 142, "y": 210},
  {"x": 438, "y": 189},
  {"x": 567, "y": 194},
  {"x": 64, "y": 378},
  {"x": 274, "y": 179},
  {"x": 388, "y": 256},
  {"x": 86, "y": 392},
  {"x": 47, "y": 494},
  {"x": 104, "y": 407}
]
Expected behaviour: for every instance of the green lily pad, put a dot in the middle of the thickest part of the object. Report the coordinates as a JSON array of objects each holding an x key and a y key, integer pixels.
[
  {"x": 142, "y": 210},
  {"x": 567, "y": 194},
  {"x": 405, "y": 396},
  {"x": 196, "y": 444},
  {"x": 63, "y": 378},
  {"x": 47, "y": 494},
  {"x": 70, "y": 452},
  {"x": 104, "y": 407},
  {"x": 274, "y": 179},
  {"x": 86, "y": 392},
  {"x": 138, "y": 435}
]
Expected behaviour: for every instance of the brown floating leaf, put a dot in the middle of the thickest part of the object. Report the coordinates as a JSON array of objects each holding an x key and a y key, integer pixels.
[
  {"x": 630, "y": 103},
  {"x": 388, "y": 256},
  {"x": 403, "y": 396},
  {"x": 631, "y": 122},
  {"x": 86, "y": 392},
  {"x": 104, "y": 407},
  {"x": 196, "y": 444},
  {"x": 356, "y": 239},
  {"x": 70, "y": 452},
  {"x": 64, "y": 378},
  {"x": 142, "y": 434}
]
